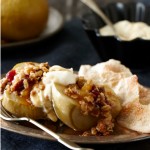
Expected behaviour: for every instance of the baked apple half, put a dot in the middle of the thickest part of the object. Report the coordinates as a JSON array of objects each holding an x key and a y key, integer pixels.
[
  {"x": 68, "y": 110},
  {"x": 19, "y": 107},
  {"x": 84, "y": 106},
  {"x": 16, "y": 87}
]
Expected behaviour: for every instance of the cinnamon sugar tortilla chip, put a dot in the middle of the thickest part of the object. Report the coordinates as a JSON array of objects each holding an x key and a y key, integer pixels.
[
  {"x": 144, "y": 95},
  {"x": 135, "y": 115},
  {"x": 127, "y": 89},
  {"x": 106, "y": 72},
  {"x": 112, "y": 66}
]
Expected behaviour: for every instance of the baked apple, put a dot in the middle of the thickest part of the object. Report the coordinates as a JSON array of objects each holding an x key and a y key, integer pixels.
[
  {"x": 19, "y": 107},
  {"x": 16, "y": 87},
  {"x": 69, "y": 112},
  {"x": 84, "y": 105}
]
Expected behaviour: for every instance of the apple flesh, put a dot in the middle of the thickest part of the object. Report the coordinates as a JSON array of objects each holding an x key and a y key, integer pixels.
[
  {"x": 21, "y": 108},
  {"x": 69, "y": 112}
]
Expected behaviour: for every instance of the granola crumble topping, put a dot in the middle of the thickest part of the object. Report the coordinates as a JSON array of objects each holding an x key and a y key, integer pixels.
[
  {"x": 92, "y": 101},
  {"x": 21, "y": 80}
]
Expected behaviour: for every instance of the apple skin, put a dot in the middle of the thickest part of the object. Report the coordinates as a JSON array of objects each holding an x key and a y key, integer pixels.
[
  {"x": 20, "y": 66},
  {"x": 20, "y": 108},
  {"x": 69, "y": 112}
]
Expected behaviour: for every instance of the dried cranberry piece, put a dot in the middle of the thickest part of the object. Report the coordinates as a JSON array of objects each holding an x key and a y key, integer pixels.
[
  {"x": 19, "y": 86},
  {"x": 10, "y": 75}
]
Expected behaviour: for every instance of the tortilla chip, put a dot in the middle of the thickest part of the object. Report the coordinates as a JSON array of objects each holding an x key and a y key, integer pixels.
[
  {"x": 135, "y": 115},
  {"x": 144, "y": 95},
  {"x": 127, "y": 89},
  {"x": 105, "y": 72},
  {"x": 111, "y": 65}
]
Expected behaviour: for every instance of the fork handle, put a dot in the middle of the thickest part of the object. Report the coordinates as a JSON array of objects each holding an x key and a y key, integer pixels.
[
  {"x": 60, "y": 139},
  {"x": 65, "y": 142}
]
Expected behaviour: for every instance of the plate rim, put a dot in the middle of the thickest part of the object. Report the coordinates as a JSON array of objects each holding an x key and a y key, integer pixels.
[
  {"x": 40, "y": 37},
  {"x": 37, "y": 133}
]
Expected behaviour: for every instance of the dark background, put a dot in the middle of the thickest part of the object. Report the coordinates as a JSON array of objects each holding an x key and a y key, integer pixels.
[{"x": 69, "y": 48}]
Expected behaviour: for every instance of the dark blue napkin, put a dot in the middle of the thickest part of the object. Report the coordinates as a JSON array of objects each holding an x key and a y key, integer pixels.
[{"x": 69, "y": 48}]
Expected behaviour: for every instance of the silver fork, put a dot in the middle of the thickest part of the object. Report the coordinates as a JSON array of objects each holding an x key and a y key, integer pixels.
[{"x": 8, "y": 117}]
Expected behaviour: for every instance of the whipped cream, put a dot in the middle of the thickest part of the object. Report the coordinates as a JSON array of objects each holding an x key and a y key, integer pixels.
[
  {"x": 128, "y": 30},
  {"x": 59, "y": 75}
]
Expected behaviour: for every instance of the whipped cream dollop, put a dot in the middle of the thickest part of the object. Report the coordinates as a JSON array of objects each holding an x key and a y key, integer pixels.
[
  {"x": 127, "y": 30},
  {"x": 42, "y": 96},
  {"x": 59, "y": 75}
]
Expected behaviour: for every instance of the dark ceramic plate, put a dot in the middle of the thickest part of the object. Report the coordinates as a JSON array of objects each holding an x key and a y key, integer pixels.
[{"x": 135, "y": 53}]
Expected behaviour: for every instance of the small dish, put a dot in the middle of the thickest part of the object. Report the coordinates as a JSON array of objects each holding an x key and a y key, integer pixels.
[
  {"x": 54, "y": 24},
  {"x": 134, "y": 53}
]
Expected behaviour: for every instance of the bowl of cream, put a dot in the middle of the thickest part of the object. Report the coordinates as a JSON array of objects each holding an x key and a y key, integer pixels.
[{"x": 131, "y": 43}]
